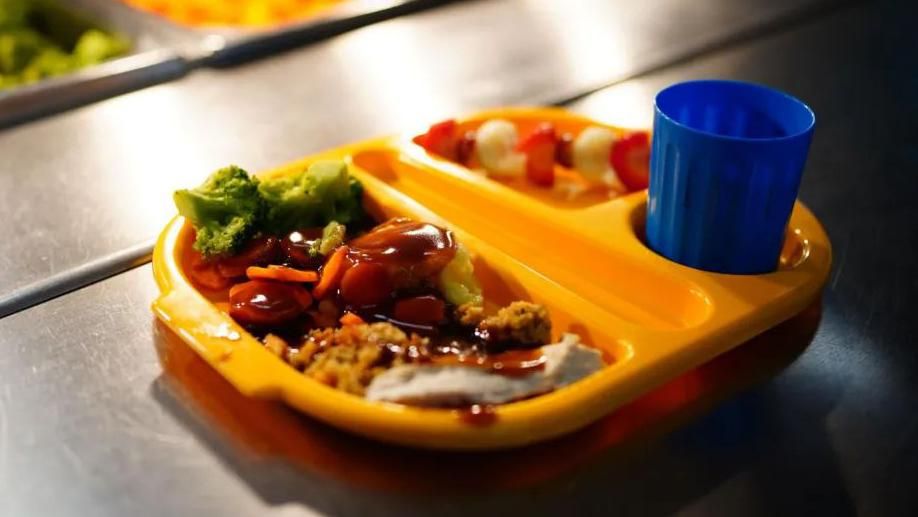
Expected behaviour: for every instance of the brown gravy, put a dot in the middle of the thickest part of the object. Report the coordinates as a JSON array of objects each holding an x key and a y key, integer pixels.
[{"x": 405, "y": 243}]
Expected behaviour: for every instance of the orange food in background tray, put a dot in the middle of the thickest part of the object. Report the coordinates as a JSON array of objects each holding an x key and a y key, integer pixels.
[{"x": 244, "y": 13}]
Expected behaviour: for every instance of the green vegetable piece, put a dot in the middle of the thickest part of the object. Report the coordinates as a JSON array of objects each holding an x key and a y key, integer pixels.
[
  {"x": 332, "y": 237},
  {"x": 350, "y": 208},
  {"x": 36, "y": 45},
  {"x": 457, "y": 280},
  {"x": 13, "y": 13},
  {"x": 48, "y": 63},
  {"x": 95, "y": 46},
  {"x": 225, "y": 211},
  {"x": 316, "y": 196},
  {"x": 231, "y": 206},
  {"x": 18, "y": 48}
]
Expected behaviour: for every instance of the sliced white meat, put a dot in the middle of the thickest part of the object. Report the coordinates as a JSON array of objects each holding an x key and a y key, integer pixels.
[{"x": 450, "y": 385}]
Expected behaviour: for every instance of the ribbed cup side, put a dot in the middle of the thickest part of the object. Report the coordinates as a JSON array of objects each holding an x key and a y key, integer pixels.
[{"x": 721, "y": 204}]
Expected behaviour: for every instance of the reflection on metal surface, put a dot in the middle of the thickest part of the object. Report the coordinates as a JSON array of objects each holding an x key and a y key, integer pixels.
[
  {"x": 592, "y": 39},
  {"x": 272, "y": 431},
  {"x": 631, "y": 105},
  {"x": 213, "y": 43},
  {"x": 391, "y": 52}
]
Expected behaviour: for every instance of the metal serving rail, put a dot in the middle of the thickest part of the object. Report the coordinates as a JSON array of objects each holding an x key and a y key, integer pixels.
[{"x": 102, "y": 413}]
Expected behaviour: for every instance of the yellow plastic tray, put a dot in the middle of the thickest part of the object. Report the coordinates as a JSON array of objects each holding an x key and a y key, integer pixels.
[{"x": 583, "y": 259}]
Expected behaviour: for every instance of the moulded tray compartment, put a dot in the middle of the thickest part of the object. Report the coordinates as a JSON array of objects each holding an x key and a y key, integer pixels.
[
  {"x": 240, "y": 358},
  {"x": 549, "y": 243}
]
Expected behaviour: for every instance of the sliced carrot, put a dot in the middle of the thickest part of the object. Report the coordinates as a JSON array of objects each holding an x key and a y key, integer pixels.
[
  {"x": 331, "y": 273},
  {"x": 281, "y": 274},
  {"x": 350, "y": 318}
]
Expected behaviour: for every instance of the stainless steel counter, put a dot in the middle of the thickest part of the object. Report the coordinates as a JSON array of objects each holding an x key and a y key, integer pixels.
[
  {"x": 97, "y": 180},
  {"x": 102, "y": 413}
]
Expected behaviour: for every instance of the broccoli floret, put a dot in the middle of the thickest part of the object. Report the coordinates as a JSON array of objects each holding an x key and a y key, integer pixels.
[
  {"x": 349, "y": 208},
  {"x": 28, "y": 54},
  {"x": 95, "y": 46},
  {"x": 457, "y": 280},
  {"x": 225, "y": 211},
  {"x": 48, "y": 63},
  {"x": 231, "y": 206},
  {"x": 332, "y": 237},
  {"x": 13, "y": 13},
  {"x": 18, "y": 48},
  {"x": 322, "y": 193}
]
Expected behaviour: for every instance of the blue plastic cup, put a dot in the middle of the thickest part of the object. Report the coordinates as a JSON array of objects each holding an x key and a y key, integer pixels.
[{"x": 725, "y": 167}]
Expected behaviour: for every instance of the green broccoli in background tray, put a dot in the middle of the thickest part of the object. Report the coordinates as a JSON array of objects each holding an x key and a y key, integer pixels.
[
  {"x": 232, "y": 206},
  {"x": 18, "y": 48},
  {"x": 13, "y": 13},
  {"x": 28, "y": 55},
  {"x": 95, "y": 46}
]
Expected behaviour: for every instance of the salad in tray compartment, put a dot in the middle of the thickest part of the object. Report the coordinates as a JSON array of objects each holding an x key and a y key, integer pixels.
[
  {"x": 39, "y": 40},
  {"x": 570, "y": 163},
  {"x": 386, "y": 310}
]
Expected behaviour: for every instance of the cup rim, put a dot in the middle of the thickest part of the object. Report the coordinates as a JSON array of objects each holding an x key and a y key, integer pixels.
[{"x": 743, "y": 84}]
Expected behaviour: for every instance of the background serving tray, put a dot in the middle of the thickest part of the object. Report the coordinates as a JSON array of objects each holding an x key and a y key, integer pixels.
[{"x": 162, "y": 50}]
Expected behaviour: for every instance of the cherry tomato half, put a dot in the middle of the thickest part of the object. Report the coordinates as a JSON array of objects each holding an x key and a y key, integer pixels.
[{"x": 630, "y": 157}]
